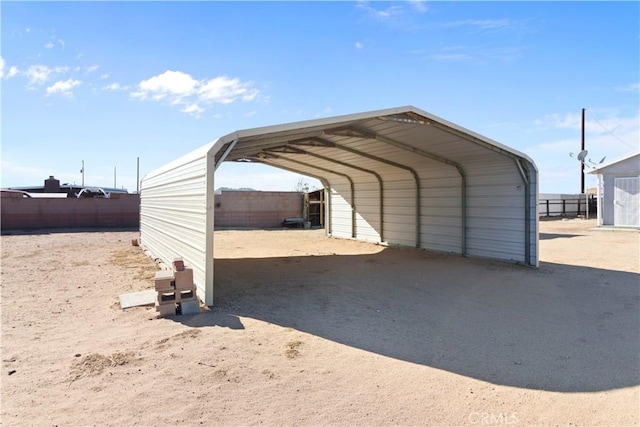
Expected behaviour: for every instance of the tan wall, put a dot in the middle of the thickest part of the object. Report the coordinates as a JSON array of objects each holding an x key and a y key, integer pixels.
[
  {"x": 256, "y": 209},
  {"x": 18, "y": 213}
]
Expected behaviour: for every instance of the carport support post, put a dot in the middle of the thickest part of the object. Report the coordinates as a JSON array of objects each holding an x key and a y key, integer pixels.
[{"x": 209, "y": 229}]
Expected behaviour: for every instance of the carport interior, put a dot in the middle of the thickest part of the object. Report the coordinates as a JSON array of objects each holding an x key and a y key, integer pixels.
[{"x": 404, "y": 177}]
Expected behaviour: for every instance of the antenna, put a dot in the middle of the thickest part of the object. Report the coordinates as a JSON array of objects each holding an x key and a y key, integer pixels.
[{"x": 582, "y": 155}]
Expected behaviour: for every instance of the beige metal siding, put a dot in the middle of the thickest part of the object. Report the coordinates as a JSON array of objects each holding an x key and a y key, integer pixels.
[
  {"x": 341, "y": 226},
  {"x": 174, "y": 217}
]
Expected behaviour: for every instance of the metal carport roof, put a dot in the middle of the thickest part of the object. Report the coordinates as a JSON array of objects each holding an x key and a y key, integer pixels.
[{"x": 397, "y": 176}]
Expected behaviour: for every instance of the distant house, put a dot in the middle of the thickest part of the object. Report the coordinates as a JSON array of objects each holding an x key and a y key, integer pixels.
[
  {"x": 52, "y": 186},
  {"x": 619, "y": 192}
]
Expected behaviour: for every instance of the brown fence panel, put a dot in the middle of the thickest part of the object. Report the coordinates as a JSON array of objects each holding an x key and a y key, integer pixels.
[{"x": 119, "y": 211}]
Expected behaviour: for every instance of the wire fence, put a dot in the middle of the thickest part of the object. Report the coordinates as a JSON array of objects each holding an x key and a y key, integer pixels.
[{"x": 572, "y": 206}]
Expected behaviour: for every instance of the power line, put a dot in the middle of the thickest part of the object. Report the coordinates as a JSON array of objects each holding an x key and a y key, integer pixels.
[{"x": 611, "y": 133}]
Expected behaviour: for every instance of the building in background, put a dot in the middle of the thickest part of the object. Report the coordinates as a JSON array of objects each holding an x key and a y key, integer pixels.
[
  {"x": 53, "y": 186},
  {"x": 619, "y": 192}
]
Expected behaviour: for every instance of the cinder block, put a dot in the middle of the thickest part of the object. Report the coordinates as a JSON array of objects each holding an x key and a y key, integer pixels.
[
  {"x": 164, "y": 280},
  {"x": 184, "y": 279},
  {"x": 178, "y": 264},
  {"x": 190, "y": 307},
  {"x": 186, "y": 295},
  {"x": 164, "y": 310},
  {"x": 167, "y": 297}
]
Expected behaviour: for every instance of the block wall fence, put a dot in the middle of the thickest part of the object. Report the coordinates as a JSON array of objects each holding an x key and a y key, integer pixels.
[
  {"x": 256, "y": 209},
  {"x": 18, "y": 213},
  {"x": 233, "y": 209}
]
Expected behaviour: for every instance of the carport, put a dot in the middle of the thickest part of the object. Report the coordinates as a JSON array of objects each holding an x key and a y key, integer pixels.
[{"x": 397, "y": 177}]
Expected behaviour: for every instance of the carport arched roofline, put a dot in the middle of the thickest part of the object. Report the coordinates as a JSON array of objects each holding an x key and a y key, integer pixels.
[
  {"x": 359, "y": 132},
  {"x": 319, "y": 142}
]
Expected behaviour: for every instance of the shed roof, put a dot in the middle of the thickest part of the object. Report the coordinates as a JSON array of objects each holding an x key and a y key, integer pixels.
[{"x": 627, "y": 158}]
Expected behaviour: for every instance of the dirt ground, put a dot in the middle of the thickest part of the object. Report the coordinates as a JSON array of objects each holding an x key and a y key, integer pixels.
[{"x": 308, "y": 330}]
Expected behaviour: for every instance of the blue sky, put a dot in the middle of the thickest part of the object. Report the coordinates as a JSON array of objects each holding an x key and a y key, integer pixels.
[{"x": 105, "y": 83}]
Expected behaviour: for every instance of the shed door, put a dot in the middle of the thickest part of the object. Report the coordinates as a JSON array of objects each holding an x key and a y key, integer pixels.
[{"x": 626, "y": 202}]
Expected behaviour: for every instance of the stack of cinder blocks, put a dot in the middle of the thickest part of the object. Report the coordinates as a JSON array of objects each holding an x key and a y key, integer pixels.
[{"x": 176, "y": 291}]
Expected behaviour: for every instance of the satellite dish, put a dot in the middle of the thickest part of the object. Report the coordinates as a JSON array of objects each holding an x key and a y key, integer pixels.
[{"x": 582, "y": 155}]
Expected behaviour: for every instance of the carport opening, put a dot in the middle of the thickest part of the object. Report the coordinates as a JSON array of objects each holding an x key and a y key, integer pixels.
[{"x": 267, "y": 197}]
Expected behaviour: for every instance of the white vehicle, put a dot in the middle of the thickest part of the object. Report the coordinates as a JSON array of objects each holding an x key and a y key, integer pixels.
[{"x": 93, "y": 192}]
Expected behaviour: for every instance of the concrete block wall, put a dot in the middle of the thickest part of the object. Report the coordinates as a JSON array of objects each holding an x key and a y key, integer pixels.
[
  {"x": 256, "y": 209},
  {"x": 18, "y": 213}
]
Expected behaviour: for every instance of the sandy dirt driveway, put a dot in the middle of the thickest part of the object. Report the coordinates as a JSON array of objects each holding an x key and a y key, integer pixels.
[{"x": 307, "y": 330}]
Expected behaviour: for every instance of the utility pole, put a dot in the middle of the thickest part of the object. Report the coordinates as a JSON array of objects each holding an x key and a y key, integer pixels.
[
  {"x": 138, "y": 175},
  {"x": 114, "y": 177},
  {"x": 82, "y": 170},
  {"x": 582, "y": 162}
]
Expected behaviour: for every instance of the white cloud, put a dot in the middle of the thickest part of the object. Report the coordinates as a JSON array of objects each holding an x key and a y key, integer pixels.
[
  {"x": 359, "y": 45},
  {"x": 418, "y": 5},
  {"x": 39, "y": 74},
  {"x": 483, "y": 24},
  {"x": 105, "y": 76},
  {"x": 13, "y": 71},
  {"x": 63, "y": 87},
  {"x": 182, "y": 89},
  {"x": 92, "y": 68},
  {"x": 251, "y": 114},
  {"x": 450, "y": 57},
  {"x": 631, "y": 87},
  {"x": 114, "y": 87},
  {"x": 193, "y": 109},
  {"x": 224, "y": 90},
  {"x": 381, "y": 14},
  {"x": 174, "y": 84},
  {"x": 49, "y": 45}
]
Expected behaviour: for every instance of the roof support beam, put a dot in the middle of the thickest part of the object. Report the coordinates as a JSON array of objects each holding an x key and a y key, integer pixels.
[
  {"x": 295, "y": 150},
  {"x": 225, "y": 153},
  {"x": 416, "y": 178},
  {"x": 527, "y": 210},
  {"x": 358, "y": 132},
  {"x": 268, "y": 156}
]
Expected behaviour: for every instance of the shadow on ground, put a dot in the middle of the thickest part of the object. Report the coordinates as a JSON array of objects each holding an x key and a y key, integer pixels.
[
  {"x": 45, "y": 231},
  {"x": 549, "y": 236},
  {"x": 556, "y": 328}
]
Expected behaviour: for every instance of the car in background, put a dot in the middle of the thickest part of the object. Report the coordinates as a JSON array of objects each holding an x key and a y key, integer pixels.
[
  {"x": 18, "y": 193},
  {"x": 93, "y": 192}
]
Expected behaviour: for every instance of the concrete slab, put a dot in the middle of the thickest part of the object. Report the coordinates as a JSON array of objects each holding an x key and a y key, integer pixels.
[{"x": 136, "y": 299}]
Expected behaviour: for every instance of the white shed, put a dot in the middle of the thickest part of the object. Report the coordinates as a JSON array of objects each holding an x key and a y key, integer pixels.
[
  {"x": 397, "y": 177},
  {"x": 619, "y": 192}
]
